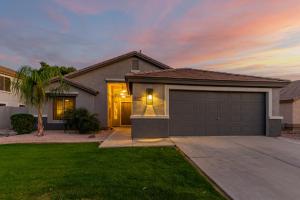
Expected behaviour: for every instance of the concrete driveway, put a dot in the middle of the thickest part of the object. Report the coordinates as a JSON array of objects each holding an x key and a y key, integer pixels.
[{"x": 247, "y": 167}]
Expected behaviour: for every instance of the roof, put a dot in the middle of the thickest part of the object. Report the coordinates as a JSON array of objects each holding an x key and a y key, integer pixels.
[
  {"x": 77, "y": 85},
  {"x": 7, "y": 71},
  {"x": 197, "y": 75},
  {"x": 291, "y": 91},
  {"x": 117, "y": 59}
]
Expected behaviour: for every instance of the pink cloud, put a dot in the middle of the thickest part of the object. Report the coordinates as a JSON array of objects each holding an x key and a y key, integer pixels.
[
  {"x": 82, "y": 6},
  {"x": 10, "y": 58},
  {"x": 213, "y": 29},
  {"x": 59, "y": 18}
]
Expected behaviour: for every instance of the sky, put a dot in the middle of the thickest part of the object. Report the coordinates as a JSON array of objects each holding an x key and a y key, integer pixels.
[{"x": 254, "y": 37}]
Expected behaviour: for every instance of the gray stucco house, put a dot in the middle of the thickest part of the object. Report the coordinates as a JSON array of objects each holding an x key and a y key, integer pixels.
[
  {"x": 159, "y": 101},
  {"x": 290, "y": 106}
]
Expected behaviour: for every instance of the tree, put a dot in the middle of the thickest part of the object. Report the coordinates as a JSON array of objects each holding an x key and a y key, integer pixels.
[
  {"x": 63, "y": 69},
  {"x": 31, "y": 85}
]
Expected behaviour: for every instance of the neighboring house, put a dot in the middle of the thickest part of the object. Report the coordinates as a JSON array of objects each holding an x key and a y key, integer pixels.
[
  {"x": 164, "y": 102},
  {"x": 7, "y": 98},
  {"x": 290, "y": 106},
  {"x": 9, "y": 102}
]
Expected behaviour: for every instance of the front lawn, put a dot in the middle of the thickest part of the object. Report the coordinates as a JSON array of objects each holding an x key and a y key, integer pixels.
[{"x": 83, "y": 171}]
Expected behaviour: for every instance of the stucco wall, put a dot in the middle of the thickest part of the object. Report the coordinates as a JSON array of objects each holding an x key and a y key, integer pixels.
[
  {"x": 296, "y": 112},
  {"x": 286, "y": 111},
  {"x": 96, "y": 80},
  {"x": 275, "y": 101},
  {"x": 83, "y": 99},
  {"x": 139, "y": 106},
  {"x": 9, "y": 99}
]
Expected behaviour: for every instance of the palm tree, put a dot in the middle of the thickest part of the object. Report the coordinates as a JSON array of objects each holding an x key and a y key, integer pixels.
[{"x": 31, "y": 85}]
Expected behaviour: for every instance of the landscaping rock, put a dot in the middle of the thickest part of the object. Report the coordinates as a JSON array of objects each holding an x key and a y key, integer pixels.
[{"x": 6, "y": 133}]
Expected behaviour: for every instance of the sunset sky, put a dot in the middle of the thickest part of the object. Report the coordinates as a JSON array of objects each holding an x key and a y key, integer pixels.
[{"x": 256, "y": 37}]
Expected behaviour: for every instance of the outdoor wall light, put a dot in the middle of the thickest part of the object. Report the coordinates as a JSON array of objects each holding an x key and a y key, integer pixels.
[{"x": 149, "y": 99}]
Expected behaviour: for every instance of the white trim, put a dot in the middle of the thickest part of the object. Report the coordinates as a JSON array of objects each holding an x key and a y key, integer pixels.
[
  {"x": 149, "y": 116},
  {"x": 43, "y": 115},
  {"x": 275, "y": 117},
  {"x": 212, "y": 88},
  {"x": 135, "y": 70}
]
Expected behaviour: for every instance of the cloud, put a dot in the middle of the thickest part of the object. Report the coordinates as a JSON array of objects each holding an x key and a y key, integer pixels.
[
  {"x": 37, "y": 44},
  {"x": 14, "y": 59},
  {"x": 83, "y": 6},
  {"x": 59, "y": 18},
  {"x": 243, "y": 36}
]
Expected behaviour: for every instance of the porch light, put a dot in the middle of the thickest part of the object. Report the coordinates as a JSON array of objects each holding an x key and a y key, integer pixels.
[{"x": 149, "y": 99}]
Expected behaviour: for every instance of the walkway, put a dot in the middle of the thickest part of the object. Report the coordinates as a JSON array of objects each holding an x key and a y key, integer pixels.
[{"x": 122, "y": 138}]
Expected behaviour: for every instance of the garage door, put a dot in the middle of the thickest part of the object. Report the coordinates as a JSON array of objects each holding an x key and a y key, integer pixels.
[{"x": 216, "y": 113}]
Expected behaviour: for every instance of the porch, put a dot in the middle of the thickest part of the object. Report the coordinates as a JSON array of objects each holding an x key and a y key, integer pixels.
[{"x": 121, "y": 137}]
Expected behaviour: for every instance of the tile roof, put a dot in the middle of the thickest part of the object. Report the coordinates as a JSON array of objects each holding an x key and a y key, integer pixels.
[
  {"x": 7, "y": 71},
  {"x": 77, "y": 85},
  {"x": 197, "y": 74},
  {"x": 291, "y": 91}
]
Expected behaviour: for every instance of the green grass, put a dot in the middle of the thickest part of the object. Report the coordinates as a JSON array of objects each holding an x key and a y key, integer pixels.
[{"x": 83, "y": 171}]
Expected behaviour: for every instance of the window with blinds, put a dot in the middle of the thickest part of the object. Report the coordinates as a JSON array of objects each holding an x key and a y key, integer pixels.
[
  {"x": 5, "y": 83},
  {"x": 61, "y": 105}
]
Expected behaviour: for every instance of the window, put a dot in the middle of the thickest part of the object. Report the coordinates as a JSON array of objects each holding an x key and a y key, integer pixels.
[
  {"x": 135, "y": 65},
  {"x": 2, "y": 104},
  {"x": 61, "y": 105},
  {"x": 21, "y": 105},
  {"x": 5, "y": 83}
]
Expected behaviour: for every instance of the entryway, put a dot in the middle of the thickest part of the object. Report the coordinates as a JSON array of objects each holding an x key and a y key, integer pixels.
[{"x": 119, "y": 105}]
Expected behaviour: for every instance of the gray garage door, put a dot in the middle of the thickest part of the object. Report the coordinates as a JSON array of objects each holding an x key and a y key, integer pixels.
[{"x": 216, "y": 113}]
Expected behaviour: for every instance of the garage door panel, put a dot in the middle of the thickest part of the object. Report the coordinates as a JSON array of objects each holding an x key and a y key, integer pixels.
[{"x": 216, "y": 113}]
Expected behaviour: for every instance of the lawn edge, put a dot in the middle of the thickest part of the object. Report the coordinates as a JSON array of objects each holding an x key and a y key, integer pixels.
[{"x": 206, "y": 176}]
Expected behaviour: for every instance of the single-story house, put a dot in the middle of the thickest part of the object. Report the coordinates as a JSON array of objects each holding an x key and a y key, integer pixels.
[
  {"x": 290, "y": 106},
  {"x": 159, "y": 101}
]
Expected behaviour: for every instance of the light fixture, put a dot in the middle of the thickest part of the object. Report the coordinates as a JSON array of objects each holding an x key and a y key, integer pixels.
[{"x": 149, "y": 99}]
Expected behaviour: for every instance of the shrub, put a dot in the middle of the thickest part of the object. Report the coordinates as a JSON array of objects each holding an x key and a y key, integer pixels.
[
  {"x": 22, "y": 123},
  {"x": 81, "y": 120}
]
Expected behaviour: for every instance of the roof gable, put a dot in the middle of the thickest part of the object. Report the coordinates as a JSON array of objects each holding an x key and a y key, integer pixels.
[
  {"x": 118, "y": 59},
  {"x": 77, "y": 85}
]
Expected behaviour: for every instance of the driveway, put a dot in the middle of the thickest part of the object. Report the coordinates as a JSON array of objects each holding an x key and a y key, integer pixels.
[{"x": 247, "y": 167}]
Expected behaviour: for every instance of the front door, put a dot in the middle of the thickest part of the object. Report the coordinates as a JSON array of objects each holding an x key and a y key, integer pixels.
[{"x": 125, "y": 113}]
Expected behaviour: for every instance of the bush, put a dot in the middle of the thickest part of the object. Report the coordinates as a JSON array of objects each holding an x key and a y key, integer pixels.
[
  {"x": 22, "y": 123},
  {"x": 81, "y": 120}
]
